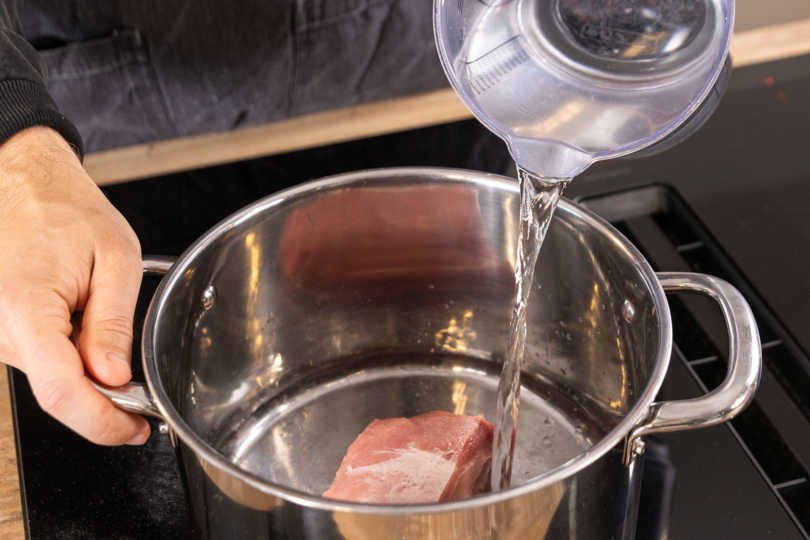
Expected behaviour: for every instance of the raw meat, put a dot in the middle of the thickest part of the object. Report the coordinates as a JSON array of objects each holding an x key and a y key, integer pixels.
[{"x": 436, "y": 456}]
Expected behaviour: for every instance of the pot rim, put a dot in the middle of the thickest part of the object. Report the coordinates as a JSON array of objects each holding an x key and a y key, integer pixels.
[{"x": 633, "y": 418}]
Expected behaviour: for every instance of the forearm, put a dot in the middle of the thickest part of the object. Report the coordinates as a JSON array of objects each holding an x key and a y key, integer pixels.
[{"x": 39, "y": 149}]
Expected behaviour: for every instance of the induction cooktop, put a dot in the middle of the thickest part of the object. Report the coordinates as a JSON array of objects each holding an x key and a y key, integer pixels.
[{"x": 730, "y": 201}]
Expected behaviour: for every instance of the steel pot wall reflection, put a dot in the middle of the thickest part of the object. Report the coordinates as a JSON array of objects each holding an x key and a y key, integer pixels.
[{"x": 276, "y": 337}]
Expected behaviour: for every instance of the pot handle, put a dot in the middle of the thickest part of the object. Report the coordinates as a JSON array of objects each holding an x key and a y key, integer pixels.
[
  {"x": 744, "y": 366},
  {"x": 135, "y": 397}
]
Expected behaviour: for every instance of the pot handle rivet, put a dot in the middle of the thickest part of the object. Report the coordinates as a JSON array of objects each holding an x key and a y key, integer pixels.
[
  {"x": 209, "y": 297},
  {"x": 628, "y": 311}
]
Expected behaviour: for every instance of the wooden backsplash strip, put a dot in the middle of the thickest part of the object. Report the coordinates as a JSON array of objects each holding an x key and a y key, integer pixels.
[
  {"x": 11, "y": 519},
  {"x": 771, "y": 43}
]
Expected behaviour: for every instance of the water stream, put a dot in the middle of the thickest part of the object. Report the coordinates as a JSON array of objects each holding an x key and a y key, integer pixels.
[{"x": 538, "y": 199}]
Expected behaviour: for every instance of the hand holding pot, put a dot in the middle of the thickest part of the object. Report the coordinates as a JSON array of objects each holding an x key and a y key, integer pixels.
[{"x": 65, "y": 249}]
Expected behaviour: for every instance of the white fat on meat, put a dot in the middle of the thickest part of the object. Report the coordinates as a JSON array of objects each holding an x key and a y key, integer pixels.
[
  {"x": 436, "y": 456},
  {"x": 410, "y": 476}
]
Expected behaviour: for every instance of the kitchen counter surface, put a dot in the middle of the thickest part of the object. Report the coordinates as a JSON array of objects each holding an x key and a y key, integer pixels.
[{"x": 11, "y": 517}]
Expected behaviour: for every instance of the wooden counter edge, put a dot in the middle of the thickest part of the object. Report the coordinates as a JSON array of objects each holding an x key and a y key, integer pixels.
[
  {"x": 184, "y": 153},
  {"x": 11, "y": 517}
]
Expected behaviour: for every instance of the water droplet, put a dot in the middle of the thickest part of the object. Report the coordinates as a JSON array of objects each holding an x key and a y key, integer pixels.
[
  {"x": 580, "y": 319},
  {"x": 430, "y": 286},
  {"x": 547, "y": 421},
  {"x": 538, "y": 287},
  {"x": 562, "y": 323},
  {"x": 604, "y": 307},
  {"x": 445, "y": 306},
  {"x": 562, "y": 371},
  {"x": 549, "y": 297}
]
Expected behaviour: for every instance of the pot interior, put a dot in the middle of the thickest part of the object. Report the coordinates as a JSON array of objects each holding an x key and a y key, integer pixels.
[{"x": 288, "y": 328}]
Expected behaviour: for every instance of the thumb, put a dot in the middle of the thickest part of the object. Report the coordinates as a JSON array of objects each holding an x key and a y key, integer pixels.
[{"x": 105, "y": 342}]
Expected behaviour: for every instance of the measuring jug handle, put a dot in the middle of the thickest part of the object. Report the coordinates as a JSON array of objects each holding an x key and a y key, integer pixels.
[
  {"x": 135, "y": 397},
  {"x": 744, "y": 366}
]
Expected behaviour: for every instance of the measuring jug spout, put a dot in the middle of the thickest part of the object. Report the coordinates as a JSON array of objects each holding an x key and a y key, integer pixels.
[{"x": 547, "y": 158}]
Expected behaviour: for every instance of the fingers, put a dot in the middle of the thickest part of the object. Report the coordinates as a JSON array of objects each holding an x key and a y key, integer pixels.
[
  {"x": 105, "y": 342},
  {"x": 57, "y": 378}
]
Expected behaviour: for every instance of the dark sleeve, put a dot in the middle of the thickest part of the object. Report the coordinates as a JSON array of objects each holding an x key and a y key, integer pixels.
[{"x": 24, "y": 100}]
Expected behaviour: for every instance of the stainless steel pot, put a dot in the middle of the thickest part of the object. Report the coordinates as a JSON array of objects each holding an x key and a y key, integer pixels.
[{"x": 282, "y": 332}]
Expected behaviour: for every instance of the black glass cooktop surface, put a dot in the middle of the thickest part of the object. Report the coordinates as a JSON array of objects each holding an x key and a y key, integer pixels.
[{"x": 696, "y": 207}]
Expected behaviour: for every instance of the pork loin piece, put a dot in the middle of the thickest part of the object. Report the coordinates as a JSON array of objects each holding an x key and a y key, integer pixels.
[{"x": 436, "y": 456}]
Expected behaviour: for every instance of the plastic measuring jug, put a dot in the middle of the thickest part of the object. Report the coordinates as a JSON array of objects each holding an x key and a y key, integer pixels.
[{"x": 569, "y": 82}]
